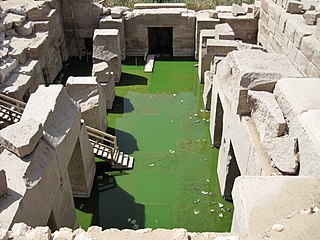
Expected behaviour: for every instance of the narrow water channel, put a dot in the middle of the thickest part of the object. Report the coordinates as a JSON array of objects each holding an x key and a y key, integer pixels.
[{"x": 159, "y": 119}]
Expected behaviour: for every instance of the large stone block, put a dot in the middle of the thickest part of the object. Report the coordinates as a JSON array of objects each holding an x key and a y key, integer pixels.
[
  {"x": 82, "y": 166},
  {"x": 283, "y": 152},
  {"x": 32, "y": 181},
  {"x": 106, "y": 47},
  {"x": 91, "y": 99},
  {"x": 245, "y": 71},
  {"x": 60, "y": 118},
  {"x": 297, "y": 95},
  {"x": 207, "y": 91},
  {"x": 261, "y": 202},
  {"x": 21, "y": 138},
  {"x": 16, "y": 85},
  {"x": 224, "y": 31},
  {"x": 3, "y": 183},
  {"x": 267, "y": 115}
]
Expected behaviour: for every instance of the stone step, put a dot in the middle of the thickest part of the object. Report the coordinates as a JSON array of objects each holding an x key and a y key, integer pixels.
[{"x": 150, "y": 62}]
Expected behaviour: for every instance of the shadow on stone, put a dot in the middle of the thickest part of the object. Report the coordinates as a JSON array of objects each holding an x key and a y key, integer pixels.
[
  {"x": 121, "y": 105},
  {"x": 128, "y": 79}
]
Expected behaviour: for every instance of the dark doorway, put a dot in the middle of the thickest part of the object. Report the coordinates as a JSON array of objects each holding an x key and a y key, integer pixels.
[{"x": 160, "y": 41}]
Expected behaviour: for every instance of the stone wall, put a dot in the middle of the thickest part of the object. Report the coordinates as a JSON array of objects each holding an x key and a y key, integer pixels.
[{"x": 286, "y": 33}]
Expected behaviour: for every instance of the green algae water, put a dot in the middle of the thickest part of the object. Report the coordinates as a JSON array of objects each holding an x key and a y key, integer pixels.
[{"x": 159, "y": 119}]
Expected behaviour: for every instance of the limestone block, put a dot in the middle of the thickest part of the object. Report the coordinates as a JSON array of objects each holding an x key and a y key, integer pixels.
[
  {"x": 4, "y": 234},
  {"x": 82, "y": 166},
  {"x": 60, "y": 117},
  {"x": 262, "y": 201},
  {"x": 43, "y": 233},
  {"x": 301, "y": 31},
  {"x": 207, "y": 91},
  {"x": 265, "y": 5},
  {"x": 317, "y": 32},
  {"x": 91, "y": 99},
  {"x": 264, "y": 18},
  {"x": 7, "y": 67},
  {"x": 224, "y": 31},
  {"x": 3, "y": 183},
  {"x": 26, "y": 29},
  {"x": 109, "y": 91},
  {"x": 19, "y": 229},
  {"x": 39, "y": 12},
  {"x": 311, "y": 17},
  {"x": 21, "y": 138},
  {"x": 267, "y": 115},
  {"x": 62, "y": 234},
  {"x": 106, "y": 47},
  {"x": 309, "y": 45},
  {"x": 312, "y": 71},
  {"x": 110, "y": 23},
  {"x": 16, "y": 85},
  {"x": 14, "y": 20},
  {"x": 283, "y": 152},
  {"x": 301, "y": 61},
  {"x": 254, "y": 74},
  {"x": 297, "y": 95},
  {"x": 20, "y": 10},
  {"x": 63, "y": 211},
  {"x": 117, "y": 12},
  {"x": 294, "y": 7},
  {"x": 34, "y": 181},
  {"x": 305, "y": 128},
  {"x": 238, "y": 10},
  {"x": 102, "y": 72}
]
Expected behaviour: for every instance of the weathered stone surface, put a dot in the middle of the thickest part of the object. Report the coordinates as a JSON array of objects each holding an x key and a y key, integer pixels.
[
  {"x": 39, "y": 233},
  {"x": 91, "y": 98},
  {"x": 305, "y": 128},
  {"x": 117, "y": 12},
  {"x": 19, "y": 229},
  {"x": 102, "y": 72},
  {"x": 7, "y": 67},
  {"x": 106, "y": 47},
  {"x": 63, "y": 234},
  {"x": 26, "y": 29},
  {"x": 294, "y": 7},
  {"x": 267, "y": 115},
  {"x": 13, "y": 20},
  {"x": 297, "y": 95},
  {"x": 311, "y": 17},
  {"x": 207, "y": 91},
  {"x": 257, "y": 210},
  {"x": 39, "y": 12},
  {"x": 16, "y": 85},
  {"x": 4, "y": 234},
  {"x": 21, "y": 137},
  {"x": 253, "y": 74},
  {"x": 224, "y": 31},
  {"x": 283, "y": 152},
  {"x": 82, "y": 166},
  {"x": 3, "y": 183},
  {"x": 238, "y": 10},
  {"x": 60, "y": 117}
]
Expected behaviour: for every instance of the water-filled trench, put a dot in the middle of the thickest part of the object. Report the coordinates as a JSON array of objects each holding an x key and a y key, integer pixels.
[{"x": 159, "y": 118}]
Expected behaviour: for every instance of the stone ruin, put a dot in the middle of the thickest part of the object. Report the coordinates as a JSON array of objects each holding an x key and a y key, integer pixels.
[{"x": 260, "y": 66}]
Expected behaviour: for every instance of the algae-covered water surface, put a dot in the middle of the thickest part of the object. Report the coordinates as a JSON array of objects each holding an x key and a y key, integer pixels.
[{"x": 159, "y": 119}]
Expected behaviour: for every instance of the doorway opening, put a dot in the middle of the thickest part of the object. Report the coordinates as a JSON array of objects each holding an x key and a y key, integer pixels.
[{"x": 160, "y": 41}]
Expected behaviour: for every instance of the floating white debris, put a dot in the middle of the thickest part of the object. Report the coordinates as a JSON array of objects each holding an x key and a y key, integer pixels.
[
  {"x": 156, "y": 221},
  {"x": 197, "y": 121},
  {"x": 201, "y": 110},
  {"x": 151, "y": 165},
  {"x": 196, "y": 201},
  {"x": 174, "y": 94},
  {"x": 222, "y": 210},
  {"x": 196, "y": 212},
  {"x": 203, "y": 119},
  {"x": 208, "y": 180},
  {"x": 171, "y": 121},
  {"x": 229, "y": 209},
  {"x": 81, "y": 206},
  {"x": 212, "y": 202},
  {"x": 100, "y": 177},
  {"x": 220, "y": 205},
  {"x": 196, "y": 114},
  {"x": 208, "y": 120},
  {"x": 190, "y": 117},
  {"x": 129, "y": 219},
  {"x": 206, "y": 159},
  {"x": 212, "y": 210},
  {"x": 196, "y": 65},
  {"x": 135, "y": 227},
  {"x": 133, "y": 221},
  {"x": 221, "y": 215},
  {"x": 210, "y": 193},
  {"x": 181, "y": 101},
  {"x": 205, "y": 193},
  {"x": 172, "y": 151}
]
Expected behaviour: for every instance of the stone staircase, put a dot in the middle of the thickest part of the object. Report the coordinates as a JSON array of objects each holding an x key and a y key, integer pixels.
[
  {"x": 104, "y": 145},
  {"x": 148, "y": 68}
]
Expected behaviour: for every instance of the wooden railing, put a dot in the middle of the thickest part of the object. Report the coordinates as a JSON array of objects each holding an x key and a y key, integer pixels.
[{"x": 104, "y": 139}]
